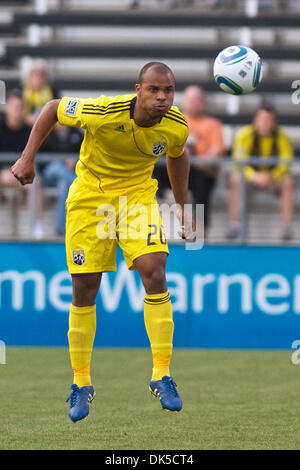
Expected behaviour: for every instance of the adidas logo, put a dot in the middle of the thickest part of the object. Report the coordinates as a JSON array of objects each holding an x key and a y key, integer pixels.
[{"x": 120, "y": 128}]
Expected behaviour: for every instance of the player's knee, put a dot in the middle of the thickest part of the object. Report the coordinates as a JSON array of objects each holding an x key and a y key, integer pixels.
[
  {"x": 85, "y": 288},
  {"x": 155, "y": 279}
]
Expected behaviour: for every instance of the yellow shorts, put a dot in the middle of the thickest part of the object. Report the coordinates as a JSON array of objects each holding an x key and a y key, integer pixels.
[{"x": 97, "y": 221}]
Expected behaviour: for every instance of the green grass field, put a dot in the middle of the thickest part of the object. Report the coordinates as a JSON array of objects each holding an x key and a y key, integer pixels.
[{"x": 231, "y": 400}]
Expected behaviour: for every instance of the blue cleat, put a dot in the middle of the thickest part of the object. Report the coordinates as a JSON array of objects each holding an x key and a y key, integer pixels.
[
  {"x": 165, "y": 390},
  {"x": 79, "y": 398}
]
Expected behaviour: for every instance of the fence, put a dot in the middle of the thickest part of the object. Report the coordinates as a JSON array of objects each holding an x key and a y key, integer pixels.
[{"x": 225, "y": 163}]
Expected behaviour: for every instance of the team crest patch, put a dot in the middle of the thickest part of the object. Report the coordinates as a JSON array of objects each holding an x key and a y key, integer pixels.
[
  {"x": 71, "y": 107},
  {"x": 78, "y": 257},
  {"x": 158, "y": 148}
]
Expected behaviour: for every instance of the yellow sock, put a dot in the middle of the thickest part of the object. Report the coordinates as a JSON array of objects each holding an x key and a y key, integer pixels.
[
  {"x": 81, "y": 334},
  {"x": 159, "y": 326}
]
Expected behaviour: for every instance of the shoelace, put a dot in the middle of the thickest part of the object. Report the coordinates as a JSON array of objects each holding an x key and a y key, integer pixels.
[
  {"x": 171, "y": 386},
  {"x": 74, "y": 396}
]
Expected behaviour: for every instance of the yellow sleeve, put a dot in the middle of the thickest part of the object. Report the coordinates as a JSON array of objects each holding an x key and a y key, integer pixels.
[
  {"x": 78, "y": 112},
  {"x": 248, "y": 173},
  {"x": 176, "y": 149},
  {"x": 286, "y": 154}
]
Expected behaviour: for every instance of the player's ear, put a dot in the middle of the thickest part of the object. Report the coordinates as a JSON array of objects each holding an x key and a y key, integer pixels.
[{"x": 137, "y": 87}]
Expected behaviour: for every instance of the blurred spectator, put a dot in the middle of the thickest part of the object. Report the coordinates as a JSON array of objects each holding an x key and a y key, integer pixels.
[
  {"x": 62, "y": 173},
  {"x": 67, "y": 139},
  {"x": 37, "y": 91},
  {"x": 14, "y": 133},
  {"x": 263, "y": 138},
  {"x": 205, "y": 140}
]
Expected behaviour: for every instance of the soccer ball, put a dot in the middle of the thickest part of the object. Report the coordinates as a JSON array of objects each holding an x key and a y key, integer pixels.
[{"x": 238, "y": 70}]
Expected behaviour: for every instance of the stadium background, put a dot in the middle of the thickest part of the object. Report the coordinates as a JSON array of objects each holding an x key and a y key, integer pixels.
[{"x": 227, "y": 297}]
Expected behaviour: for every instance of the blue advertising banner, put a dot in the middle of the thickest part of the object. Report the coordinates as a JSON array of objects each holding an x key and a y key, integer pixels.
[{"x": 222, "y": 297}]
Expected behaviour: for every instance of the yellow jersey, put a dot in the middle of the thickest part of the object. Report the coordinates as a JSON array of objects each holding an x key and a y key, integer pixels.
[
  {"x": 115, "y": 150},
  {"x": 278, "y": 145}
]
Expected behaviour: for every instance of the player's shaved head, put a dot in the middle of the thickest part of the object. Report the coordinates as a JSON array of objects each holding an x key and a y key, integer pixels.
[
  {"x": 158, "y": 67},
  {"x": 155, "y": 93}
]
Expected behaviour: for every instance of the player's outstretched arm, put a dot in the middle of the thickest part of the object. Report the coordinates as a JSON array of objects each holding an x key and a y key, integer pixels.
[
  {"x": 23, "y": 169},
  {"x": 178, "y": 173}
]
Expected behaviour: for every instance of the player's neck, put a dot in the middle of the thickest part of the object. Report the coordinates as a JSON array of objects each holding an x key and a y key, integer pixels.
[{"x": 142, "y": 119}]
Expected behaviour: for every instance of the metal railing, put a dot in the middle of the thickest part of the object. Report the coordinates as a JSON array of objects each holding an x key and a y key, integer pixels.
[{"x": 225, "y": 162}]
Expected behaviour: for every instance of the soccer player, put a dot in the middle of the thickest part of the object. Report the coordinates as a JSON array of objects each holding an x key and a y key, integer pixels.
[{"x": 124, "y": 137}]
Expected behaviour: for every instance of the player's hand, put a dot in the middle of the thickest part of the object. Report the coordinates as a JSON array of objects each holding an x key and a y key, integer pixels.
[
  {"x": 23, "y": 171},
  {"x": 187, "y": 225}
]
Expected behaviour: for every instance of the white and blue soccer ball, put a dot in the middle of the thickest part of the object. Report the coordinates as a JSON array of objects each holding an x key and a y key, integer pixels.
[{"x": 238, "y": 70}]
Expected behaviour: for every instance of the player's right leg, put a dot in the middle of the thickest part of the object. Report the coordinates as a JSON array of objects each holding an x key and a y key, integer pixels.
[
  {"x": 88, "y": 255},
  {"x": 145, "y": 249},
  {"x": 81, "y": 334},
  {"x": 159, "y": 325}
]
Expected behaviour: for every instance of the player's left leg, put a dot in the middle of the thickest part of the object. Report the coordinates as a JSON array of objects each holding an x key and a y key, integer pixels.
[
  {"x": 82, "y": 325},
  {"x": 159, "y": 325},
  {"x": 82, "y": 328},
  {"x": 157, "y": 311},
  {"x": 88, "y": 255},
  {"x": 144, "y": 245}
]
